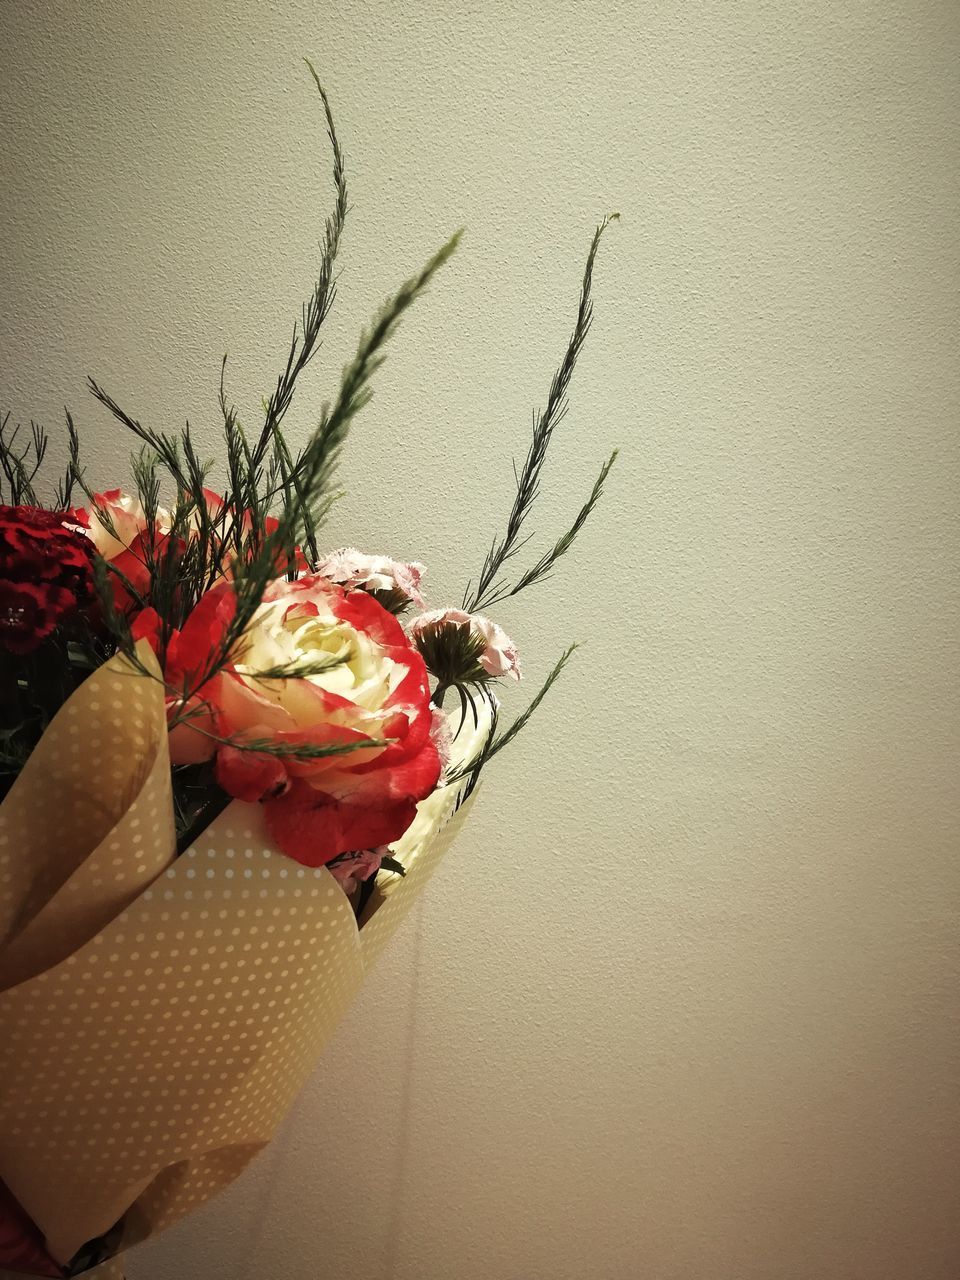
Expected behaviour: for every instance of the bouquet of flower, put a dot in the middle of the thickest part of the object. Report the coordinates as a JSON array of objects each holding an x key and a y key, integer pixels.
[{"x": 229, "y": 759}]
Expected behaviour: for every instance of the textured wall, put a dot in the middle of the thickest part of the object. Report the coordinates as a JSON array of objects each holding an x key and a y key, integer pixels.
[{"x": 683, "y": 1004}]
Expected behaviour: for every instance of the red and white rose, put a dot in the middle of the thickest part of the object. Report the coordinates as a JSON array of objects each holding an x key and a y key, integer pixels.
[
  {"x": 118, "y": 527},
  {"x": 374, "y": 697}
]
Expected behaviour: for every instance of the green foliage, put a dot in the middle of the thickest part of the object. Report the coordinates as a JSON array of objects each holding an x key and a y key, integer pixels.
[
  {"x": 236, "y": 538},
  {"x": 540, "y": 571},
  {"x": 491, "y": 588},
  {"x": 20, "y": 460},
  {"x": 452, "y": 652},
  {"x": 263, "y": 525},
  {"x": 497, "y": 741},
  {"x": 273, "y": 503}
]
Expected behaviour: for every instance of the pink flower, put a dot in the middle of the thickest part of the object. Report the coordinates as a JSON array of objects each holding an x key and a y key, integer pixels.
[
  {"x": 350, "y": 869},
  {"x": 498, "y": 656},
  {"x": 351, "y": 568},
  {"x": 442, "y": 736}
]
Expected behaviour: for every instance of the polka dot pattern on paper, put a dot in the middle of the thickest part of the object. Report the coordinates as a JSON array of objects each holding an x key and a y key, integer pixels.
[
  {"x": 89, "y": 822},
  {"x": 183, "y": 1029},
  {"x": 145, "y": 1069}
]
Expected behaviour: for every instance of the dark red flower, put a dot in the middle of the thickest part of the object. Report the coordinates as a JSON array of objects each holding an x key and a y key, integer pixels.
[{"x": 46, "y": 575}]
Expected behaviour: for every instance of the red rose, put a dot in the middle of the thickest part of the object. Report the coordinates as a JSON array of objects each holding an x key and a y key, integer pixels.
[
  {"x": 375, "y": 687},
  {"x": 227, "y": 523},
  {"x": 45, "y": 575},
  {"x": 224, "y": 516},
  {"x": 117, "y": 525}
]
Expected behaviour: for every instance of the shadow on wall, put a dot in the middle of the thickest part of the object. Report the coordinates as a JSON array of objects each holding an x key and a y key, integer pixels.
[{"x": 280, "y": 1167}]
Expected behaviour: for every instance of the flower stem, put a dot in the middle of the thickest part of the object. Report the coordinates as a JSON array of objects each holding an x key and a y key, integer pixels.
[{"x": 212, "y": 809}]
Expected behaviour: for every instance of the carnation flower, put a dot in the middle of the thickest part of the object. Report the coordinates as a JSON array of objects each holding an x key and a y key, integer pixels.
[
  {"x": 360, "y": 684},
  {"x": 117, "y": 521},
  {"x": 464, "y": 648},
  {"x": 352, "y": 868},
  {"x": 394, "y": 583},
  {"x": 46, "y": 575}
]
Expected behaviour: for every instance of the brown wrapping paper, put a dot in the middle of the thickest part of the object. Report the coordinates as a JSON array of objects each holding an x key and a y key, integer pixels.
[
  {"x": 160, "y": 1014},
  {"x": 89, "y": 822}
]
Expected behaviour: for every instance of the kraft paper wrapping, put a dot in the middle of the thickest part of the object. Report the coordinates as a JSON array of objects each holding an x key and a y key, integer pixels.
[{"x": 158, "y": 1015}]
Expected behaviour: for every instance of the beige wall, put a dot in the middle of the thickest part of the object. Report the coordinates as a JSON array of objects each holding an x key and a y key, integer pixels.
[{"x": 684, "y": 1003}]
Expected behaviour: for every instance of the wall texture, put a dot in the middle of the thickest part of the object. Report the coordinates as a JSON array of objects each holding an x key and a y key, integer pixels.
[{"x": 683, "y": 1003}]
